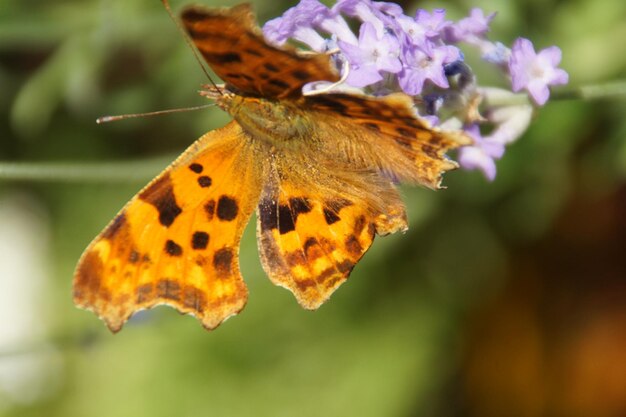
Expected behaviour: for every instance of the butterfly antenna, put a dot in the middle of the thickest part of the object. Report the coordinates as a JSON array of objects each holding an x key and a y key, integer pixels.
[
  {"x": 166, "y": 4},
  {"x": 106, "y": 119}
]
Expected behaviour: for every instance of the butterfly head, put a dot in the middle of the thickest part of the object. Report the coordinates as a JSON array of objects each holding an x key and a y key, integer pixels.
[{"x": 219, "y": 93}]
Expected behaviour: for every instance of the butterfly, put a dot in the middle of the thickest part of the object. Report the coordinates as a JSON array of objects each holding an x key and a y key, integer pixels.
[{"x": 320, "y": 170}]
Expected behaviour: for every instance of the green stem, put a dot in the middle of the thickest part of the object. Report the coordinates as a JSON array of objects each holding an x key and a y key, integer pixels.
[
  {"x": 124, "y": 171},
  {"x": 591, "y": 92},
  {"x": 610, "y": 90}
]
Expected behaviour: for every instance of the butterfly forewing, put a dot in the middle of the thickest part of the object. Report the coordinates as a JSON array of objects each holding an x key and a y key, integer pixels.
[
  {"x": 177, "y": 241},
  {"x": 392, "y": 120},
  {"x": 231, "y": 43}
]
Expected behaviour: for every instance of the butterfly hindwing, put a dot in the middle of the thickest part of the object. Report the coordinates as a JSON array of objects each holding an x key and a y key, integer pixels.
[
  {"x": 177, "y": 241},
  {"x": 309, "y": 240},
  {"x": 232, "y": 44}
]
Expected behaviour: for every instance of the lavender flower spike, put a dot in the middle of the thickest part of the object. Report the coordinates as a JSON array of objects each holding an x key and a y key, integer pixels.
[
  {"x": 421, "y": 56},
  {"x": 535, "y": 72},
  {"x": 371, "y": 56},
  {"x": 300, "y": 21}
]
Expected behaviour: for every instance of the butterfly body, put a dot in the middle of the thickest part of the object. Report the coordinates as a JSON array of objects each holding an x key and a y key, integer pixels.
[
  {"x": 278, "y": 123},
  {"x": 320, "y": 171}
]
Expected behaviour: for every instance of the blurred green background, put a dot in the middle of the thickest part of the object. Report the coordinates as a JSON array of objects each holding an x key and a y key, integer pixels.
[{"x": 503, "y": 299}]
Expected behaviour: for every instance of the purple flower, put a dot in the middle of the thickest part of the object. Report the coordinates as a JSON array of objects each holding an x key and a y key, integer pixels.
[
  {"x": 420, "y": 66},
  {"x": 469, "y": 29},
  {"x": 417, "y": 55},
  {"x": 372, "y": 55},
  {"x": 433, "y": 22},
  {"x": 416, "y": 32},
  {"x": 535, "y": 71},
  {"x": 495, "y": 53},
  {"x": 388, "y": 8},
  {"x": 299, "y": 22},
  {"x": 378, "y": 13},
  {"x": 482, "y": 154}
]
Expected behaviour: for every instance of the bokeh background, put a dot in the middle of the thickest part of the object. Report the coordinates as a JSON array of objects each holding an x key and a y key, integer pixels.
[{"x": 503, "y": 299}]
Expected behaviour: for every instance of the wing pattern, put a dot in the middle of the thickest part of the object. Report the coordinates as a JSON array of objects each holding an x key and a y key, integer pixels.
[
  {"x": 177, "y": 241},
  {"x": 232, "y": 44}
]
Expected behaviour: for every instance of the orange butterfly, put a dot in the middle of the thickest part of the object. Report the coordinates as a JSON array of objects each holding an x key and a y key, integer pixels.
[{"x": 319, "y": 169}]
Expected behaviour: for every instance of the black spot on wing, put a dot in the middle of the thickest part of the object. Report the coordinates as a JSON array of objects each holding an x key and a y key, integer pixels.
[
  {"x": 288, "y": 214},
  {"x": 200, "y": 240},
  {"x": 172, "y": 248},
  {"x": 193, "y": 15},
  {"x": 284, "y": 216},
  {"x": 402, "y": 131},
  {"x": 299, "y": 205},
  {"x": 329, "y": 103},
  {"x": 332, "y": 209},
  {"x": 234, "y": 75},
  {"x": 330, "y": 216},
  {"x": 286, "y": 222},
  {"x": 301, "y": 75},
  {"x": 278, "y": 83},
  {"x": 227, "y": 208},
  {"x": 161, "y": 195},
  {"x": 271, "y": 67},
  {"x": 197, "y": 168},
  {"x": 222, "y": 261},
  {"x": 221, "y": 58},
  {"x": 204, "y": 181},
  {"x": 134, "y": 257}
]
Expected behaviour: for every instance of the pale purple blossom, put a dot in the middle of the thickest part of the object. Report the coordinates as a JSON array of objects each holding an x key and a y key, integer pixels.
[
  {"x": 495, "y": 53},
  {"x": 379, "y": 13},
  {"x": 416, "y": 32},
  {"x": 469, "y": 29},
  {"x": 364, "y": 10},
  {"x": 370, "y": 56},
  {"x": 420, "y": 66},
  {"x": 482, "y": 154},
  {"x": 418, "y": 55},
  {"x": 300, "y": 21},
  {"x": 433, "y": 22},
  {"x": 535, "y": 72},
  {"x": 425, "y": 26}
]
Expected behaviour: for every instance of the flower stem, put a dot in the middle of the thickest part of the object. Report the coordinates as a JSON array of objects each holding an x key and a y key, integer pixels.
[
  {"x": 500, "y": 97},
  {"x": 591, "y": 92}
]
